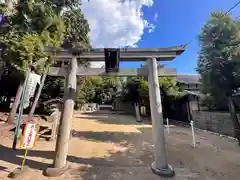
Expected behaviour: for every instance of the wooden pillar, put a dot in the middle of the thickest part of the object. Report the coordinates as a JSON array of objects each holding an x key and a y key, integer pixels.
[
  {"x": 66, "y": 116},
  {"x": 13, "y": 112}
]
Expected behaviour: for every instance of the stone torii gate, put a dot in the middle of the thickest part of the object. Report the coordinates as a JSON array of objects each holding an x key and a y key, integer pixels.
[{"x": 152, "y": 55}]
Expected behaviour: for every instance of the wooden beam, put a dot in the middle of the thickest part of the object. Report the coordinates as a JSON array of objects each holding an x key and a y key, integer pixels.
[
  {"x": 56, "y": 71},
  {"x": 126, "y": 54}
]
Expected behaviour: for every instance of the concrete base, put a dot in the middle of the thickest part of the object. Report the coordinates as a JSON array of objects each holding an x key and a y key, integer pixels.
[
  {"x": 20, "y": 173},
  {"x": 55, "y": 172},
  {"x": 168, "y": 173}
]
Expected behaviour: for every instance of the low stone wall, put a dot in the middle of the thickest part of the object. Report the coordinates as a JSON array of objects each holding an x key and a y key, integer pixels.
[
  {"x": 89, "y": 107},
  {"x": 217, "y": 122}
]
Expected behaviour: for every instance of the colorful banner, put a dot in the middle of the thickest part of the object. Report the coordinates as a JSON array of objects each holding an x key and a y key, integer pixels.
[{"x": 30, "y": 136}]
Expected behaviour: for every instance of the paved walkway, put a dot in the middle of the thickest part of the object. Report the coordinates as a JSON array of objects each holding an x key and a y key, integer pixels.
[{"x": 115, "y": 147}]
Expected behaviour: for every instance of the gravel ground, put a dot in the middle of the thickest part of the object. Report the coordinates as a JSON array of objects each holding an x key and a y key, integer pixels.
[{"x": 110, "y": 146}]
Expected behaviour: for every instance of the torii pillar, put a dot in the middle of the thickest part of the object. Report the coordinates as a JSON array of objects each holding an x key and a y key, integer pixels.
[
  {"x": 66, "y": 117},
  {"x": 160, "y": 166},
  {"x": 61, "y": 149}
]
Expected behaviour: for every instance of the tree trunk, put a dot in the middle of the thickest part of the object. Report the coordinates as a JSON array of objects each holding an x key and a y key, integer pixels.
[
  {"x": 234, "y": 118},
  {"x": 16, "y": 102},
  {"x": 38, "y": 94}
]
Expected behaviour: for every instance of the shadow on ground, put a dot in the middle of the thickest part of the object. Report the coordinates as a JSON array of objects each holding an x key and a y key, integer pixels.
[
  {"x": 13, "y": 156},
  {"x": 104, "y": 136},
  {"x": 131, "y": 163},
  {"x": 134, "y": 163},
  {"x": 120, "y": 163},
  {"x": 136, "y": 155}
]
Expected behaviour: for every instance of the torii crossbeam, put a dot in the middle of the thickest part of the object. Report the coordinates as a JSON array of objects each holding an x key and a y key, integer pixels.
[
  {"x": 160, "y": 166},
  {"x": 63, "y": 71},
  {"x": 126, "y": 54}
]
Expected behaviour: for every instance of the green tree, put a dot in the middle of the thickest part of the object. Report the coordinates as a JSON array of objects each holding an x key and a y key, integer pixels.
[
  {"x": 85, "y": 89},
  {"x": 219, "y": 58},
  {"x": 97, "y": 89},
  {"x": 24, "y": 34},
  {"x": 60, "y": 5},
  {"x": 77, "y": 30},
  {"x": 136, "y": 90},
  {"x": 34, "y": 25},
  {"x": 26, "y": 31}
]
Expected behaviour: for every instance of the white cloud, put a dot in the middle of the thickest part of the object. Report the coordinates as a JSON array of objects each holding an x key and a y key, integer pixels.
[
  {"x": 116, "y": 23},
  {"x": 155, "y": 17}
]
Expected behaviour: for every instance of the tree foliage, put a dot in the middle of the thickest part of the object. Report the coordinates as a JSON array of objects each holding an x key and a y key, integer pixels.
[
  {"x": 97, "y": 89},
  {"x": 219, "y": 60},
  {"x": 26, "y": 31},
  {"x": 34, "y": 25},
  {"x": 136, "y": 90},
  {"x": 77, "y": 30}
]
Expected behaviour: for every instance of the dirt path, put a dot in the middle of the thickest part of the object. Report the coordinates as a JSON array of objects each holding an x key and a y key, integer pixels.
[{"x": 115, "y": 147}]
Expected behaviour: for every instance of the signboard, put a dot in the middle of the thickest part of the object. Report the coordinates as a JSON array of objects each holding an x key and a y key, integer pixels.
[
  {"x": 30, "y": 135},
  {"x": 30, "y": 88}
]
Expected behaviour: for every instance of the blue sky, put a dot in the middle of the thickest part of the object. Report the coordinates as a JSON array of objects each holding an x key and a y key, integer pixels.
[{"x": 179, "y": 22}]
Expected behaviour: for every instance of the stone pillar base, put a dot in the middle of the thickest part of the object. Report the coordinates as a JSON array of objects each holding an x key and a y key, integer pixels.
[
  {"x": 55, "y": 172},
  {"x": 168, "y": 173}
]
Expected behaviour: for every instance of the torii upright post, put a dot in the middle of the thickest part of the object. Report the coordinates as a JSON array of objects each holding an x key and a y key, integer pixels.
[
  {"x": 66, "y": 117},
  {"x": 160, "y": 166}
]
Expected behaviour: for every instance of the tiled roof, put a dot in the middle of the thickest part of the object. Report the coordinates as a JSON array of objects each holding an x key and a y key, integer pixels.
[{"x": 188, "y": 78}]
